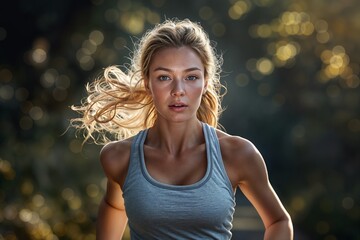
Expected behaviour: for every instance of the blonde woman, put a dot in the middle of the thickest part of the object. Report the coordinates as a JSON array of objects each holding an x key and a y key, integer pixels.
[{"x": 172, "y": 174}]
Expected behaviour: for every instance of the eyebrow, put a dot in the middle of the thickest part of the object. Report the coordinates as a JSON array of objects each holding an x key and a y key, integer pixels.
[{"x": 169, "y": 70}]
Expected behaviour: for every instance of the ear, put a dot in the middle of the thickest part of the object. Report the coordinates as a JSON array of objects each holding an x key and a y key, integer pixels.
[
  {"x": 205, "y": 86},
  {"x": 146, "y": 85}
]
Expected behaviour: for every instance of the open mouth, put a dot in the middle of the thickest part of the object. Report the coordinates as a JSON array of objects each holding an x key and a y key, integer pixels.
[{"x": 178, "y": 106}]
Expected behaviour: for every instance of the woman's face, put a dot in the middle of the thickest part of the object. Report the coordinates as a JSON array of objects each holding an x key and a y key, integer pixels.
[{"x": 176, "y": 82}]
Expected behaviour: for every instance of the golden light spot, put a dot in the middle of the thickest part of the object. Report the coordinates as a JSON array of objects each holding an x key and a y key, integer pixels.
[
  {"x": 323, "y": 37},
  {"x": 321, "y": 26},
  {"x": 6, "y": 92},
  {"x": 298, "y": 204},
  {"x": 89, "y": 47},
  {"x": 325, "y": 56},
  {"x": 352, "y": 81},
  {"x": 133, "y": 22},
  {"x": 96, "y": 37},
  {"x": 36, "y": 113},
  {"x": 286, "y": 52},
  {"x": 242, "y": 80},
  {"x": 338, "y": 50},
  {"x": 307, "y": 28},
  {"x": 6, "y": 170},
  {"x": 75, "y": 146},
  {"x": 25, "y": 215},
  {"x": 336, "y": 61},
  {"x": 67, "y": 194},
  {"x": 49, "y": 77},
  {"x": 92, "y": 190},
  {"x": 264, "y": 31},
  {"x": 206, "y": 13},
  {"x": 38, "y": 200},
  {"x": 38, "y": 55},
  {"x": 238, "y": 9},
  {"x": 75, "y": 203},
  {"x": 86, "y": 63},
  {"x": 46, "y": 212},
  {"x": 265, "y": 66},
  {"x": 218, "y": 29},
  {"x": 152, "y": 17},
  {"x": 27, "y": 187}
]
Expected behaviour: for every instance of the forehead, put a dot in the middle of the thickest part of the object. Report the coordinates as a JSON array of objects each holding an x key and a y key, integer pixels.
[{"x": 176, "y": 58}]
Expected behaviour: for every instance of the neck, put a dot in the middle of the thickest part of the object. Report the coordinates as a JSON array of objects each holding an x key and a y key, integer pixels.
[{"x": 175, "y": 138}]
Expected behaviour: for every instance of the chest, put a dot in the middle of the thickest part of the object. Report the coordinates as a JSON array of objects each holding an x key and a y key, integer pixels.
[
  {"x": 182, "y": 169},
  {"x": 200, "y": 207}
]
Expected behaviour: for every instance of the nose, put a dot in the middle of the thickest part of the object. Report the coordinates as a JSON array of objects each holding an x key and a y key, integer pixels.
[{"x": 178, "y": 89}]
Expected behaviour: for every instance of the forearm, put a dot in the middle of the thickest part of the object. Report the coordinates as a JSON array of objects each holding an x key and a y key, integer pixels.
[
  {"x": 280, "y": 230},
  {"x": 111, "y": 222}
]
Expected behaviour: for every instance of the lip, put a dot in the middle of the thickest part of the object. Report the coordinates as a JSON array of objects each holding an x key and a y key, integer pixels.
[{"x": 178, "y": 106}]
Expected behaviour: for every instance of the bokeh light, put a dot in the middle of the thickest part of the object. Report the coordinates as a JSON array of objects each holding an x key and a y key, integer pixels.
[{"x": 292, "y": 73}]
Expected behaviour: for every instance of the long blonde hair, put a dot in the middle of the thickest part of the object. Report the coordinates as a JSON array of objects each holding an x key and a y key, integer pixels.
[{"x": 118, "y": 105}]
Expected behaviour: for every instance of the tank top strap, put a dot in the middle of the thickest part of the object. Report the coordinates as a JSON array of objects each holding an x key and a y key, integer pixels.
[
  {"x": 218, "y": 163},
  {"x": 134, "y": 169}
]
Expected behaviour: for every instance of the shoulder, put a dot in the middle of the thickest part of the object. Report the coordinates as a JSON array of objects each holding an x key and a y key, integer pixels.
[
  {"x": 231, "y": 144},
  {"x": 114, "y": 158},
  {"x": 241, "y": 157}
]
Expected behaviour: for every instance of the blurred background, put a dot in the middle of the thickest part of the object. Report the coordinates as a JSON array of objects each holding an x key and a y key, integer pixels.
[{"x": 292, "y": 73}]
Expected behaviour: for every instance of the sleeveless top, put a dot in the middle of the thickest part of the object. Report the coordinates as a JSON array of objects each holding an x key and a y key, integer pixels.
[{"x": 155, "y": 210}]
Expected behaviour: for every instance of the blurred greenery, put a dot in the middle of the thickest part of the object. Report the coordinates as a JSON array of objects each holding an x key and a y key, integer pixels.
[{"x": 292, "y": 73}]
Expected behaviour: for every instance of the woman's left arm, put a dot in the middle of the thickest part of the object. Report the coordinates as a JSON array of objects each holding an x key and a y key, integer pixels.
[
  {"x": 247, "y": 170},
  {"x": 256, "y": 187}
]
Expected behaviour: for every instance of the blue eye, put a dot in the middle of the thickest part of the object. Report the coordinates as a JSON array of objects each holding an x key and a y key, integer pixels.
[
  {"x": 192, "y": 78},
  {"x": 164, "y": 78}
]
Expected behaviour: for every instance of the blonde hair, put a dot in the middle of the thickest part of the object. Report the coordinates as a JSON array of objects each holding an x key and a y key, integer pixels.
[{"x": 118, "y": 105}]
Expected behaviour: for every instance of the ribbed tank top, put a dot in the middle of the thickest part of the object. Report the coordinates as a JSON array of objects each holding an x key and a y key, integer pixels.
[{"x": 203, "y": 210}]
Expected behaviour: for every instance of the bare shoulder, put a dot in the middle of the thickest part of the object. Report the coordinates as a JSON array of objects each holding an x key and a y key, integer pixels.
[
  {"x": 240, "y": 149},
  {"x": 114, "y": 158},
  {"x": 241, "y": 157}
]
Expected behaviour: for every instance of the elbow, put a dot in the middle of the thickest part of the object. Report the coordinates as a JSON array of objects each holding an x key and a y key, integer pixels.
[{"x": 282, "y": 229}]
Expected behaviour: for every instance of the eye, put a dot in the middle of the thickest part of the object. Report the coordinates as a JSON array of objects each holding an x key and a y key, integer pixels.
[
  {"x": 192, "y": 78},
  {"x": 163, "y": 78}
]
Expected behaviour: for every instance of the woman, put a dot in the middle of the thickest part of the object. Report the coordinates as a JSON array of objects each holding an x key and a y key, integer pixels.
[{"x": 171, "y": 174}]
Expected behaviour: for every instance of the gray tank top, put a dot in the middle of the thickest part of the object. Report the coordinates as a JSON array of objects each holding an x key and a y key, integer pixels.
[{"x": 203, "y": 210}]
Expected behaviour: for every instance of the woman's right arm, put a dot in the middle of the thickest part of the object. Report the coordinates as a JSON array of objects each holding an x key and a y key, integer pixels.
[{"x": 112, "y": 219}]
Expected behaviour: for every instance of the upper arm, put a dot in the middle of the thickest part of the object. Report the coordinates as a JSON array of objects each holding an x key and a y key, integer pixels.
[
  {"x": 247, "y": 170},
  {"x": 257, "y": 188},
  {"x": 114, "y": 158}
]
